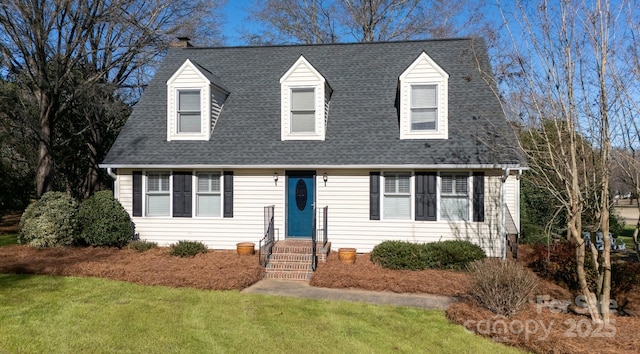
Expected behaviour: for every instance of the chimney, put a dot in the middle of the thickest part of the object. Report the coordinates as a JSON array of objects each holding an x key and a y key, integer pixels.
[{"x": 182, "y": 42}]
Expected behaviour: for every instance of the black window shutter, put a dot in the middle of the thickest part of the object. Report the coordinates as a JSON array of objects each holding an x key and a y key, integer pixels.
[
  {"x": 374, "y": 196},
  {"x": 182, "y": 194},
  {"x": 426, "y": 196},
  {"x": 478, "y": 196},
  {"x": 228, "y": 194},
  {"x": 137, "y": 193}
]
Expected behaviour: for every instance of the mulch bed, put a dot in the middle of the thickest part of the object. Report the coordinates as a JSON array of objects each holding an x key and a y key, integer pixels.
[
  {"x": 217, "y": 270},
  {"x": 363, "y": 274}
]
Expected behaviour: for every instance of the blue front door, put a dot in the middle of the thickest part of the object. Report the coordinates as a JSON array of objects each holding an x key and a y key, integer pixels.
[{"x": 300, "y": 202}]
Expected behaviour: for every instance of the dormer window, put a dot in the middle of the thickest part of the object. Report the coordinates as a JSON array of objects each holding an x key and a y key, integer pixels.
[
  {"x": 304, "y": 106},
  {"x": 189, "y": 114},
  {"x": 195, "y": 97},
  {"x": 303, "y": 110},
  {"x": 423, "y": 100},
  {"x": 424, "y": 107}
]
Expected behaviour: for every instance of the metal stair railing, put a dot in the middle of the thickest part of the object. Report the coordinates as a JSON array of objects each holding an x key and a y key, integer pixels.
[{"x": 265, "y": 247}]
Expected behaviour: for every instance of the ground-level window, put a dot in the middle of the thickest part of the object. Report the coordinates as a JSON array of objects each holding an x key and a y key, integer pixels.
[
  {"x": 157, "y": 194},
  {"x": 208, "y": 198},
  {"x": 454, "y": 197},
  {"x": 397, "y": 195}
]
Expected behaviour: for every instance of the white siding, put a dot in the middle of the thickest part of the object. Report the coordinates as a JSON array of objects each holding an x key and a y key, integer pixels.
[
  {"x": 217, "y": 101},
  {"x": 512, "y": 198},
  {"x": 346, "y": 193}
]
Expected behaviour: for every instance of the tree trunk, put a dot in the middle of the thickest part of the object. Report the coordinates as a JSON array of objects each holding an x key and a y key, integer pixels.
[{"x": 44, "y": 171}]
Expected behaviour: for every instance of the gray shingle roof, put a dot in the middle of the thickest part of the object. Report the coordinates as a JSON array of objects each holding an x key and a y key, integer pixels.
[{"x": 363, "y": 126}]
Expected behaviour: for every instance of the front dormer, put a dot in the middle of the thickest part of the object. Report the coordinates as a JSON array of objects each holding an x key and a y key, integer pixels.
[
  {"x": 423, "y": 100},
  {"x": 305, "y": 96},
  {"x": 194, "y": 101}
]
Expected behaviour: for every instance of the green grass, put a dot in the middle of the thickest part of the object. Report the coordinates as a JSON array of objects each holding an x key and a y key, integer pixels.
[
  {"x": 627, "y": 236},
  {"x": 8, "y": 239},
  {"x": 68, "y": 314}
]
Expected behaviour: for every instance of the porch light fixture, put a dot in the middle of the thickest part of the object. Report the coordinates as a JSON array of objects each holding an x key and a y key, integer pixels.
[
  {"x": 275, "y": 178},
  {"x": 325, "y": 178}
]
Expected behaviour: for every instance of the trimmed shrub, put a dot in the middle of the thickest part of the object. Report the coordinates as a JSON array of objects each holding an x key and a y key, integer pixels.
[
  {"x": 400, "y": 255},
  {"x": 501, "y": 286},
  {"x": 50, "y": 221},
  {"x": 104, "y": 222},
  {"x": 141, "y": 246},
  {"x": 187, "y": 248},
  {"x": 452, "y": 254}
]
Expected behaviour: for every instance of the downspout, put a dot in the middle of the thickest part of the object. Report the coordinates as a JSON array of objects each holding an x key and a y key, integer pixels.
[
  {"x": 507, "y": 171},
  {"x": 115, "y": 181}
]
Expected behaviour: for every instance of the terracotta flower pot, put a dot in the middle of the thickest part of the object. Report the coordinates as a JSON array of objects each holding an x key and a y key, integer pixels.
[
  {"x": 245, "y": 248},
  {"x": 347, "y": 255}
]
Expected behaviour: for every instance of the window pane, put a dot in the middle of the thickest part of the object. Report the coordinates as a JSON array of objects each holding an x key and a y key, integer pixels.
[
  {"x": 208, "y": 205},
  {"x": 302, "y": 100},
  {"x": 454, "y": 208},
  {"x": 447, "y": 184},
  {"x": 461, "y": 185},
  {"x": 189, "y": 101},
  {"x": 423, "y": 118},
  {"x": 424, "y": 96},
  {"x": 189, "y": 123},
  {"x": 390, "y": 183},
  {"x": 157, "y": 182},
  {"x": 397, "y": 183},
  {"x": 303, "y": 122},
  {"x": 397, "y": 207},
  {"x": 157, "y": 205},
  {"x": 208, "y": 182}
]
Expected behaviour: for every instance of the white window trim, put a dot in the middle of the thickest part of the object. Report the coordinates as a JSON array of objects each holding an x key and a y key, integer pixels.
[
  {"x": 412, "y": 76},
  {"x": 195, "y": 193},
  {"x": 178, "y": 112},
  {"x": 175, "y": 84},
  {"x": 315, "y": 110},
  {"x": 145, "y": 184},
  {"x": 469, "y": 195},
  {"x": 411, "y": 108},
  {"x": 313, "y": 80},
  {"x": 412, "y": 196}
]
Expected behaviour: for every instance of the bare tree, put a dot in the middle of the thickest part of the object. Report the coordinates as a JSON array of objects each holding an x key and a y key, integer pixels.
[
  {"x": 47, "y": 41},
  {"x": 565, "y": 50},
  {"x": 330, "y": 21}
]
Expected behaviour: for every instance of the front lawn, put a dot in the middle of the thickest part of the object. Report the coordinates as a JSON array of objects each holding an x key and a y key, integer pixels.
[
  {"x": 8, "y": 239},
  {"x": 70, "y": 314}
]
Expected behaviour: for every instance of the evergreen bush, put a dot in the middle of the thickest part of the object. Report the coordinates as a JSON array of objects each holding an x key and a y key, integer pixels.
[
  {"x": 187, "y": 248},
  {"x": 141, "y": 245},
  {"x": 452, "y": 254},
  {"x": 104, "y": 222},
  {"x": 50, "y": 221}
]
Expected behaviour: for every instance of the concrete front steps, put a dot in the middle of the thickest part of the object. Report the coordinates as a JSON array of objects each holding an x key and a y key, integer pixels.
[{"x": 291, "y": 259}]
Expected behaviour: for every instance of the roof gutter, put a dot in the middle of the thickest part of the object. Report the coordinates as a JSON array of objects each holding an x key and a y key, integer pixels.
[{"x": 320, "y": 166}]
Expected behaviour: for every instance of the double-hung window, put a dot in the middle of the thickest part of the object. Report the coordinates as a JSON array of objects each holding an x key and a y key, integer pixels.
[
  {"x": 397, "y": 196},
  {"x": 208, "y": 197},
  {"x": 303, "y": 113},
  {"x": 157, "y": 196},
  {"x": 454, "y": 197},
  {"x": 424, "y": 107},
  {"x": 189, "y": 115}
]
